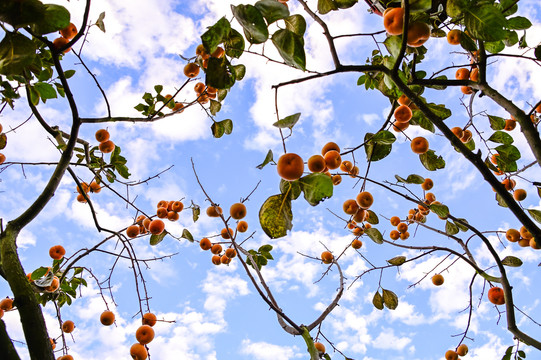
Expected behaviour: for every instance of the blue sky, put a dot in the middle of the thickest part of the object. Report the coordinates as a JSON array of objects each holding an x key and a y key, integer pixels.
[{"x": 217, "y": 313}]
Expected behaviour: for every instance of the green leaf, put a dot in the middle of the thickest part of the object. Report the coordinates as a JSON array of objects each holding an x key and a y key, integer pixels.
[
  {"x": 377, "y": 301},
  {"x": 439, "y": 110},
  {"x": 346, "y": 4},
  {"x": 440, "y": 210},
  {"x": 291, "y": 48},
  {"x": 500, "y": 201},
  {"x": 292, "y": 189},
  {"x": 496, "y": 122},
  {"x": 253, "y": 23},
  {"x": 467, "y": 43},
  {"x": 518, "y": 23},
  {"x": 272, "y": 10},
  {"x": 268, "y": 159},
  {"x": 21, "y": 13},
  {"x": 431, "y": 161},
  {"x": 219, "y": 73},
  {"x": 17, "y": 52},
  {"x": 216, "y": 34},
  {"x": 40, "y": 272},
  {"x": 196, "y": 211},
  {"x": 156, "y": 239},
  {"x": 461, "y": 226},
  {"x": 390, "y": 299},
  {"x": 215, "y": 107},
  {"x": 415, "y": 179},
  {"x": 535, "y": 214},
  {"x": 296, "y": 23},
  {"x": 45, "y": 90},
  {"x": 438, "y": 87},
  {"x": 187, "y": 235},
  {"x": 485, "y": 22},
  {"x": 376, "y": 151},
  {"x": 512, "y": 261},
  {"x": 455, "y": 8},
  {"x": 501, "y": 137},
  {"x": 234, "y": 44},
  {"x": 316, "y": 187},
  {"x": 288, "y": 121},
  {"x": 239, "y": 71},
  {"x": 450, "y": 228},
  {"x": 494, "y": 47},
  {"x": 69, "y": 73},
  {"x": 508, "y": 152},
  {"x": 220, "y": 128},
  {"x": 384, "y": 137},
  {"x": 397, "y": 260},
  {"x": 511, "y": 38},
  {"x": 393, "y": 45},
  {"x": 374, "y": 235},
  {"x": 99, "y": 23},
  {"x": 275, "y": 216},
  {"x": 325, "y": 6},
  {"x": 265, "y": 248},
  {"x": 372, "y": 218},
  {"x": 56, "y": 18}
]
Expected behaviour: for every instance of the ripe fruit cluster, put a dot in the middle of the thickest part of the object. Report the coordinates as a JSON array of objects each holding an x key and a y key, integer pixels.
[
  {"x": 94, "y": 187},
  {"x": 169, "y": 209},
  {"x": 2, "y": 156},
  {"x": 144, "y": 225},
  {"x": 523, "y": 237},
  {"x": 418, "y": 32},
  {"x": 106, "y": 146},
  {"x": 175, "y": 106},
  {"x": 204, "y": 93},
  {"x": 66, "y": 35}
]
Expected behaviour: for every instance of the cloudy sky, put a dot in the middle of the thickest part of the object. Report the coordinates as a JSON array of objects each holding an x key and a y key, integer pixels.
[{"x": 214, "y": 312}]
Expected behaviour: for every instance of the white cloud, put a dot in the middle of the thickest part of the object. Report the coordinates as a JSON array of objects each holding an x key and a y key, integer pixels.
[{"x": 266, "y": 351}]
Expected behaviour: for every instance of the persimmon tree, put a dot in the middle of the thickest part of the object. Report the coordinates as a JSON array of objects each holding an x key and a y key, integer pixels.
[{"x": 33, "y": 73}]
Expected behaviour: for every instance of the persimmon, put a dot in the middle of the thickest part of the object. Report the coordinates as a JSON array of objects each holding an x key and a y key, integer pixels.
[
  {"x": 509, "y": 184},
  {"x": 102, "y": 135},
  {"x": 230, "y": 253},
  {"x": 53, "y": 343},
  {"x": 144, "y": 334},
  {"x": 216, "y": 249},
  {"x": 227, "y": 233},
  {"x": 2, "y": 158},
  {"x": 132, "y": 231},
  {"x": 69, "y": 31},
  {"x": 402, "y": 227},
  {"x": 474, "y": 74},
  {"x": 332, "y": 159},
  {"x": 462, "y": 350},
  {"x": 107, "y": 318},
  {"x": 156, "y": 227},
  {"x": 214, "y": 211},
  {"x": 394, "y": 234},
  {"x": 419, "y": 145},
  {"x": 200, "y": 50},
  {"x": 519, "y": 194},
  {"x": 462, "y": 74},
  {"x": 319, "y": 347},
  {"x": 453, "y": 37},
  {"x": 178, "y": 106},
  {"x": 65, "y": 357},
  {"x": 218, "y": 53},
  {"x": 237, "y": 211},
  {"x": 84, "y": 186},
  {"x": 403, "y": 114},
  {"x": 457, "y": 130},
  {"x": 466, "y": 136},
  {"x": 57, "y": 252},
  {"x": 336, "y": 179},
  {"x": 405, "y": 235},
  {"x": 427, "y": 184},
  {"x": 172, "y": 215},
  {"x": 316, "y": 163},
  {"x": 290, "y": 166},
  {"x": 106, "y": 146},
  {"x": 360, "y": 215},
  {"x": 1, "y": 313},
  {"x": 418, "y": 33},
  {"x": 525, "y": 233},
  {"x": 55, "y": 284},
  {"x": 358, "y": 231},
  {"x": 242, "y": 226},
  {"x": 161, "y": 212},
  {"x": 177, "y": 206},
  {"x": 400, "y": 126},
  {"x": 356, "y": 244},
  {"x": 191, "y": 70},
  {"x": 162, "y": 203},
  {"x": 533, "y": 244},
  {"x": 510, "y": 125},
  {"x": 199, "y": 88},
  {"x": 205, "y": 244},
  {"x": 524, "y": 242},
  {"x": 327, "y": 257},
  {"x": 466, "y": 90},
  {"x": 451, "y": 355},
  {"x": 346, "y": 166},
  {"x": 138, "y": 352},
  {"x": 354, "y": 171},
  {"x": 149, "y": 319},
  {"x": 59, "y": 43},
  {"x": 350, "y": 206},
  {"x": 328, "y": 147},
  {"x": 496, "y": 296},
  {"x": 395, "y": 220},
  {"x": 364, "y": 199},
  {"x": 68, "y": 326},
  {"x": 512, "y": 235},
  {"x": 216, "y": 259},
  {"x": 6, "y": 304},
  {"x": 538, "y": 108},
  {"x": 393, "y": 21},
  {"x": 438, "y": 279},
  {"x": 404, "y": 100},
  {"x": 95, "y": 187},
  {"x": 81, "y": 198}
]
